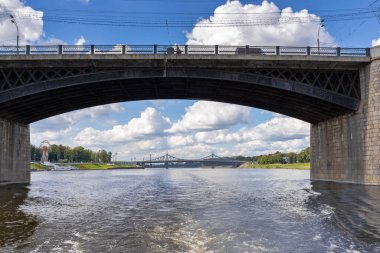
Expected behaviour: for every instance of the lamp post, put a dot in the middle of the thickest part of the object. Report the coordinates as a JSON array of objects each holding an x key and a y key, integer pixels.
[
  {"x": 13, "y": 20},
  {"x": 321, "y": 24}
]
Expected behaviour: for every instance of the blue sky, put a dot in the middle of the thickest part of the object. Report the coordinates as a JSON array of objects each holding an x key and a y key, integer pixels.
[
  {"x": 134, "y": 129},
  {"x": 351, "y": 33}
]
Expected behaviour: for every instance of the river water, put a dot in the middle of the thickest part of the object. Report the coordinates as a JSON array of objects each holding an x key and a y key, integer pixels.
[{"x": 188, "y": 210}]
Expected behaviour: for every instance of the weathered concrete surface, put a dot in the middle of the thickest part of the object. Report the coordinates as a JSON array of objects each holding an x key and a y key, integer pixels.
[
  {"x": 347, "y": 148},
  {"x": 14, "y": 153},
  {"x": 182, "y": 60}
]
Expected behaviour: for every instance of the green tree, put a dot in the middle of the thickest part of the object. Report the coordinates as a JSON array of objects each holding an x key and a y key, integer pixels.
[
  {"x": 103, "y": 156},
  {"x": 304, "y": 156},
  {"x": 35, "y": 153},
  {"x": 109, "y": 157}
]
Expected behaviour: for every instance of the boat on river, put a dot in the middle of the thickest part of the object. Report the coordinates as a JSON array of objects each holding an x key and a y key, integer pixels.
[
  {"x": 63, "y": 168},
  {"x": 56, "y": 167}
]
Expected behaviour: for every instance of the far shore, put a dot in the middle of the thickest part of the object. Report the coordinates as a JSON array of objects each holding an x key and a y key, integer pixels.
[
  {"x": 290, "y": 166},
  {"x": 85, "y": 166}
]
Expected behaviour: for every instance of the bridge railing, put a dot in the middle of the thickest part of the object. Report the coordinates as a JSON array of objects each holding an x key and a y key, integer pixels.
[{"x": 182, "y": 49}]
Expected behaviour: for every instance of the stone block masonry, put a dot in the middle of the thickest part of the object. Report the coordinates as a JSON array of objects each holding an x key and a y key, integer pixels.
[
  {"x": 14, "y": 153},
  {"x": 347, "y": 148}
]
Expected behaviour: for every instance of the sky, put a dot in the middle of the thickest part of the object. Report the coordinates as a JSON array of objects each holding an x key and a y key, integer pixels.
[{"x": 184, "y": 128}]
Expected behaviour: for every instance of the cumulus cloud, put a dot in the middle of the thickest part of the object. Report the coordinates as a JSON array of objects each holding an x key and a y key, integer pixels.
[
  {"x": 30, "y": 29},
  {"x": 259, "y": 147},
  {"x": 61, "y": 127},
  {"x": 286, "y": 27},
  {"x": 278, "y": 129},
  {"x": 148, "y": 134},
  {"x": 80, "y": 41},
  {"x": 180, "y": 141},
  {"x": 204, "y": 115},
  {"x": 150, "y": 123},
  {"x": 376, "y": 42}
]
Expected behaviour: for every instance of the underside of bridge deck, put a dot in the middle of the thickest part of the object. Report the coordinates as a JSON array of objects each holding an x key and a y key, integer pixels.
[{"x": 29, "y": 102}]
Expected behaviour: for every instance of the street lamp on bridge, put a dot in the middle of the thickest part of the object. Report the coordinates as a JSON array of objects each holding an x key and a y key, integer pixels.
[
  {"x": 321, "y": 24},
  {"x": 13, "y": 20}
]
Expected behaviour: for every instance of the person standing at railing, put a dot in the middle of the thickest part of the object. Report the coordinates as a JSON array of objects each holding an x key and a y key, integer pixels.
[{"x": 177, "y": 50}]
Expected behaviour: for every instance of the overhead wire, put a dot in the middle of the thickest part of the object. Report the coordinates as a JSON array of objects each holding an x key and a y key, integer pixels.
[{"x": 218, "y": 20}]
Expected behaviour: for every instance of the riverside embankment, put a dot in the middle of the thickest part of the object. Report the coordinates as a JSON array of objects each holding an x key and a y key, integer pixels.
[
  {"x": 293, "y": 166},
  {"x": 84, "y": 166}
]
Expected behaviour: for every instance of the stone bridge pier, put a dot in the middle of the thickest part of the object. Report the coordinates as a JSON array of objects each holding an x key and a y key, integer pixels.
[
  {"x": 347, "y": 148},
  {"x": 14, "y": 152}
]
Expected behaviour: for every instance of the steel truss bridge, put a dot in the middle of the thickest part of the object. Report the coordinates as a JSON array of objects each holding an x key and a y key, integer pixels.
[{"x": 167, "y": 160}]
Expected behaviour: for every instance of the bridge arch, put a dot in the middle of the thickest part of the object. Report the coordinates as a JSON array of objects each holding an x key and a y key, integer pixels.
[
  {"x": 335, "y": 91},
  {"x": 55, "y": 94}
]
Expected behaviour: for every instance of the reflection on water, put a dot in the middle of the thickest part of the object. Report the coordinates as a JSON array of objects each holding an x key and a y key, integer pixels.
[
  {"x": 356, "y": 207},
  {"x": 188, "y": 210},
  {"x": 15, "y": 225}
]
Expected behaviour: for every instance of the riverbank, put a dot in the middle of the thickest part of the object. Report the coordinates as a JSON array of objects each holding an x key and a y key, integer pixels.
[
  {"x": 84, "y": 166},
  {"x": 291, "y": 166}
]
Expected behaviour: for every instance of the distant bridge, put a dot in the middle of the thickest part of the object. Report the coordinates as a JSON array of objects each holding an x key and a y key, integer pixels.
[{"x": 167, "y": 159}]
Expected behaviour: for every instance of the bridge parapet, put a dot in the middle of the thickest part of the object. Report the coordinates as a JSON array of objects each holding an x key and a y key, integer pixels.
[{"x": 183, "y": 49}]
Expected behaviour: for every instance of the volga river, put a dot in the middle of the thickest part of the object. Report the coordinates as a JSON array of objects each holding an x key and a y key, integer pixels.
[{"x": 188, "y": 210}]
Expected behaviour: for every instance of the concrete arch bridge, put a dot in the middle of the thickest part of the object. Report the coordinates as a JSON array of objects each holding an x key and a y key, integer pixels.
[{"x": 334, "y": 89}]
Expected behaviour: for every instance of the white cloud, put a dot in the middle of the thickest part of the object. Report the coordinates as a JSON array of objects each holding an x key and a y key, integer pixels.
[
  {"x": 180, "y": 141},
  {"x": 85, "y": 1},
  {"x": 96, "y": 112},
  {"x": 198, "y": 150},
  {"x": 51, "y": 41},
  {"x": 61, "y": 127},
  {"x": 218, "y": 137},
  {"x": 278, "y": 129},
  {"x": 80, "y": 41},
  {"x": 376, "y": 42},
  {"x": 148, "y": 133},
  {"x": 259, "y": 147},
  {"x": 207, "y": 116},
  {"x": 284, "y": 28},
  {"x": 150, "y": 123},
  {"x": 30, "y": 29}
]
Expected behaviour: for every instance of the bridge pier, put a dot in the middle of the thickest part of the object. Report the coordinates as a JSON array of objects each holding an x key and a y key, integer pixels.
[
  {"x": 14, "y": 153},
  {"x": 347, "y": 148}
]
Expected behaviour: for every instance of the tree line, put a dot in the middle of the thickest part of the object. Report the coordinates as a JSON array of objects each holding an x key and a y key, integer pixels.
[
  {"x": 302, "y": 157},
  {"x": 61, "y": 153},
  {"x": 292, "y": 157}
]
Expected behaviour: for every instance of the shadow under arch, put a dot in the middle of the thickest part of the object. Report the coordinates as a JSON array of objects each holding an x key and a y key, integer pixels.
[{"x": 36, "y": 101}]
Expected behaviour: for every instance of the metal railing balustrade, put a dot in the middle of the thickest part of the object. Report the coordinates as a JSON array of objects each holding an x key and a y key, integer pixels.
[{"x": 182, "y": 49}]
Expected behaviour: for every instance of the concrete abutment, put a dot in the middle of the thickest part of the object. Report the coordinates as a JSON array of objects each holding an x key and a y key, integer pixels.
[
  {"x": 347, "y": 148},
  {"x": 14, "y": 153}
]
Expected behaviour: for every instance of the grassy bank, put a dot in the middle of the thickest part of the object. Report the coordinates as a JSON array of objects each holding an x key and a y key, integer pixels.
[
  {"x": 293, "y": 166},
  {"x": 96, "y": 166},
  {"x": 37, "y": 167},
  {"x": 82, "y": 166}
]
